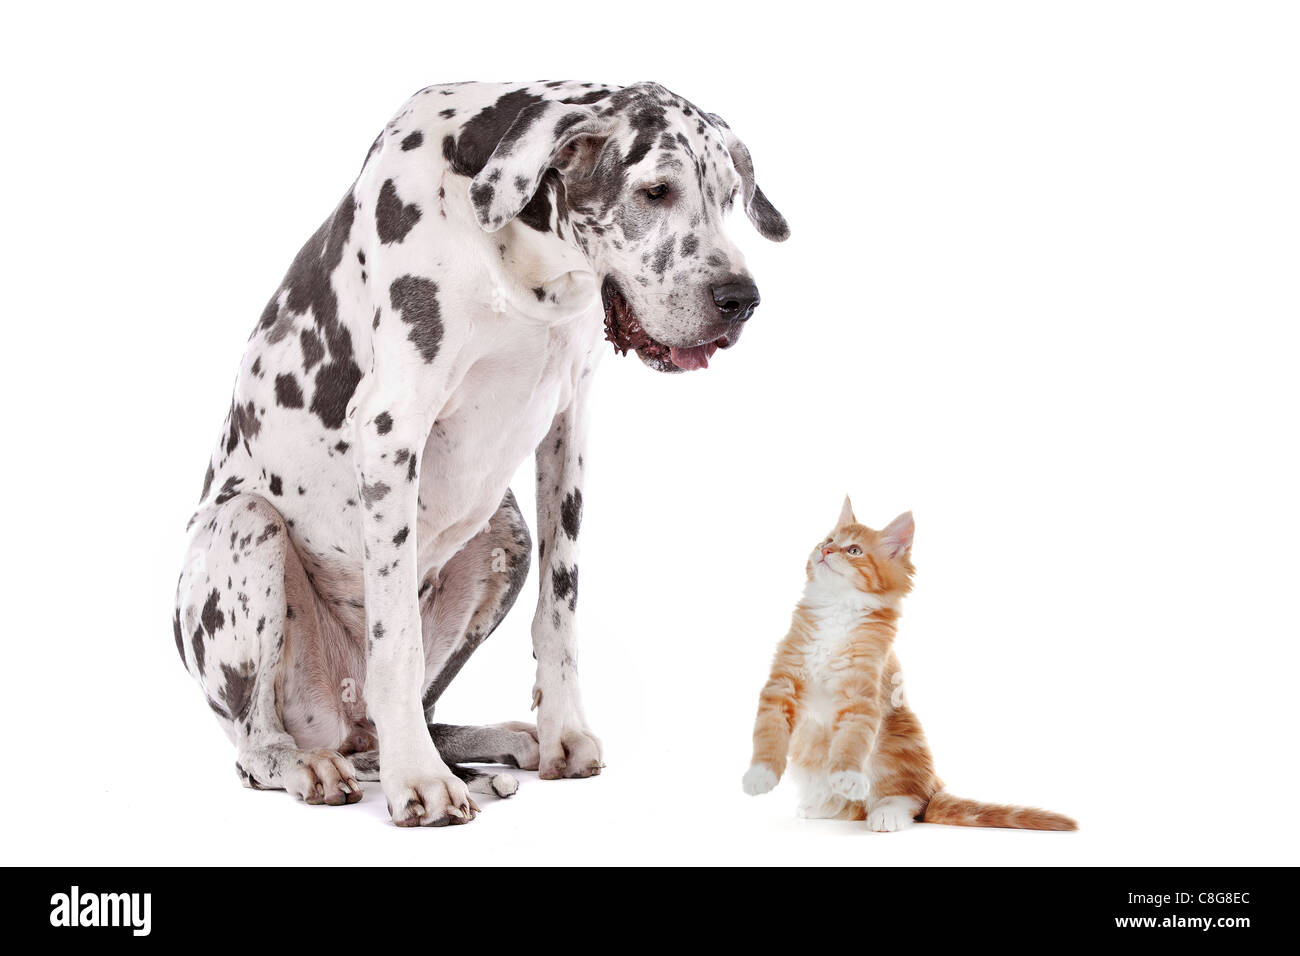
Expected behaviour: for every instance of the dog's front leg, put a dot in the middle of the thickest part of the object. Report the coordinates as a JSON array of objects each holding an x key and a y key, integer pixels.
[
  {"x": 568, "y": 748},
  {"x": 391, "y": 429}
]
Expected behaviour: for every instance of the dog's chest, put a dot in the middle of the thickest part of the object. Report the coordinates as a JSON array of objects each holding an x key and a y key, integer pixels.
[{"x": 500, "y": 412}]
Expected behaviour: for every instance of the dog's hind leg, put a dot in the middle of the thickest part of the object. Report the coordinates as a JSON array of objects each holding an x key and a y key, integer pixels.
[
  {"x": 512, "y": 744},
  {"x": 476, "y": 781},
  {"x": 232, "y": 606},
  {"x": 475, "y": 591}
]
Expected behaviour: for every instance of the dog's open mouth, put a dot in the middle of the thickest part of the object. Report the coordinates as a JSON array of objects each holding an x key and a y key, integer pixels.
[{"x": 625, "y": 332}]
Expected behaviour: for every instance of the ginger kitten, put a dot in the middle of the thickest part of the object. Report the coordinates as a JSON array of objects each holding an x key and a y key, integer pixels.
[{"x": 834, "y": 703}]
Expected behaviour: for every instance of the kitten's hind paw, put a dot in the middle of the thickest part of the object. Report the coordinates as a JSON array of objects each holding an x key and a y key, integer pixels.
[
  {"x": 892, "y": 813},
  {"x": 759, "y": 779},
  {"x": 849, "y": 784}
]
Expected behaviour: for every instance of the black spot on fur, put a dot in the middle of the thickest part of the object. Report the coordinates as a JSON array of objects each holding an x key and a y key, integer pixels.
[
  {"x": 372, "y": 493},
  {"x": 212, "y": 617},
  {"x": 196, "y": 642},
  {"x": 313, "y": 350},
  {"x": 287, "y": 391},
  {"x": 481, "y": 195},
  {"x": 228, "y": 489},
  {"x": 277, "y": 487},
  {"x": 537, "y": 213},
  {"x": 335, "y": 383},
  {"x": 237, "y": 691},
  {"x": 393, "y": 218},
  {"x": 663, "y": 256},
  {"x": 564, "y": 585},
  {"x": 307, "y": 287},
  {"x": 415, "y": 299},
  {"x": 383, "y": 423},
  {"x": 180, "y": 638},
  {"x": 243, "y": 421},
  {"x": 484, "y": 132},
  {"x": 586, "y": 99},
  {"x": 413, "y": 140},
  {"x": 571, "y": 513},
  {"x": 207, "y": 482},
  {"x": 400, "y": 538},
  {"x": 648, "y": 119}
]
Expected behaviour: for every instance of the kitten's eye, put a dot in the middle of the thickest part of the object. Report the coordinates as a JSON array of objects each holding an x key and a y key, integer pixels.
[
  {"x": 656, "y": 192},
  {"x": 854, "y": 551}
]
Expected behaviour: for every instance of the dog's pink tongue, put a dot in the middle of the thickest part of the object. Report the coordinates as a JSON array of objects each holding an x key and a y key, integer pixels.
[{"x": 693, "y": 358}]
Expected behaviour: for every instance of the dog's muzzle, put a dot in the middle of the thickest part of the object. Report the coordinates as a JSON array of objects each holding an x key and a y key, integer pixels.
[{"x": 735, "y": 302}]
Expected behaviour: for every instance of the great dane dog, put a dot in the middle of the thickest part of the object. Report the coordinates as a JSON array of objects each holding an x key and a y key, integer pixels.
[{"x": 356, "y": 538}]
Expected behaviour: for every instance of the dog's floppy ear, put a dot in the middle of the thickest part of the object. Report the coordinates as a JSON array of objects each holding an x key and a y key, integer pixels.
[
  {"x": 770, "y": 223},
  {"x": 543, "y": 136}
]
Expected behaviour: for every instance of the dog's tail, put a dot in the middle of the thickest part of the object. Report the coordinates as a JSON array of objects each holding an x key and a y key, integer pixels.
[
  {"x": 479, "y": 781},
  {"x": 960, "y": 812}
]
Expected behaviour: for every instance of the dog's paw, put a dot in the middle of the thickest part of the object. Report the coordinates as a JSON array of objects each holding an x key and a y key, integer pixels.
[
  {"x": 566, "y": 747},
  {"x": 850, "y": 784},
  {"x": 323, "y": 776},
  {"x": 571, "y": 753},
  {"x": 759, "y": 779},
  {"x": 427, "y": 799},
  {"x": 890, "y": 814}
]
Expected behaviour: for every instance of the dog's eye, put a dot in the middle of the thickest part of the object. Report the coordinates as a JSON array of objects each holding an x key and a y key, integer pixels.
[
  {"x": 854, "y": 551},
  {"x": 656, "y": 192}
]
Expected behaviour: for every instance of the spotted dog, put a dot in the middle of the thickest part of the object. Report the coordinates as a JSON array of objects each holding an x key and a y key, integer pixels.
[{"x": 356, "y": 538}]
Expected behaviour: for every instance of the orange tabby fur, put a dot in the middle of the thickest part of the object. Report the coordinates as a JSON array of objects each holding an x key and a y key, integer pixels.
[{"x": 834, "y": 707}]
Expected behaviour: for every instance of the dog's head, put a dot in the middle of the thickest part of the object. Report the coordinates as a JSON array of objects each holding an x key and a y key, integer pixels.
[{"x": 647, "y": 180}]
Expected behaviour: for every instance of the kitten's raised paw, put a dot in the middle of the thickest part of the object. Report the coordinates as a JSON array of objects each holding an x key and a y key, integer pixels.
[
  {"x": 759, "y": 779},
  {"x": 890, "y": 814},
  {"x": 850, "y": 784}
]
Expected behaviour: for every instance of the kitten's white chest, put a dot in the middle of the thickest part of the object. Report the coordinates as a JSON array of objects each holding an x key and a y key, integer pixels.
[{"x": 823, "y": 656}]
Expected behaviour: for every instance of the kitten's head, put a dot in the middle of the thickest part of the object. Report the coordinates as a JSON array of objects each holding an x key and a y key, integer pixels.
[{"x": 855, "y": 559}]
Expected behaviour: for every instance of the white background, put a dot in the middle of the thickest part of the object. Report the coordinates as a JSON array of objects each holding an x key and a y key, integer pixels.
[{"x": 1042, "y": 290}]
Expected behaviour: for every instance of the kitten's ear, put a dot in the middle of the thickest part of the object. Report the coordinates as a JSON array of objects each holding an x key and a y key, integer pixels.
[
  {"x": 846, "y": 514},
  {"x": 897, "y": 536}
]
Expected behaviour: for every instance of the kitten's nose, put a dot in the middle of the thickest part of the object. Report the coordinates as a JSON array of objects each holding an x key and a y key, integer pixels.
[{"x": 827, "y": 550}]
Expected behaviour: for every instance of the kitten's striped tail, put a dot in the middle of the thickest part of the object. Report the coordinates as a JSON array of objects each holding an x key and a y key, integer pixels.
[{"x": 960, "y": 812}]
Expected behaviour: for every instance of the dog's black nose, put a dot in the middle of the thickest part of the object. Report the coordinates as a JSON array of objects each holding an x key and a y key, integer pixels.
[{"x": 736, "y": 300}]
